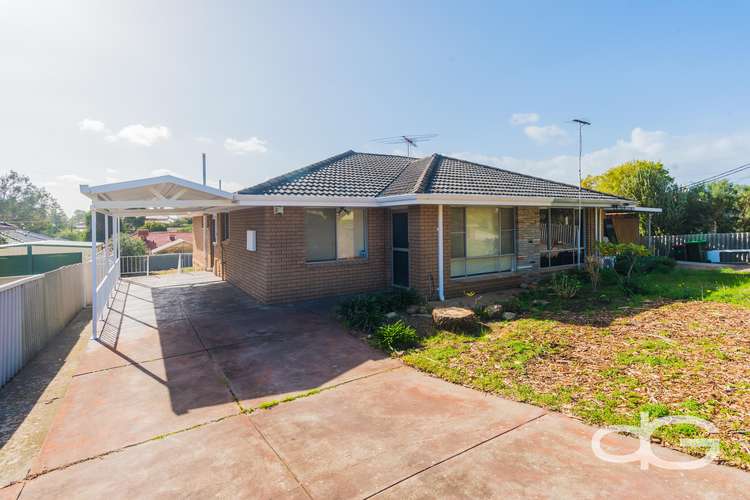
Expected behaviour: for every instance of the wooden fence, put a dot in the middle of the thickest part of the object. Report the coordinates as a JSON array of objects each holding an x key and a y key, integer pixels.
[
  {"x": 662, "y": 245},
  {"x": 35, "y": 309}
]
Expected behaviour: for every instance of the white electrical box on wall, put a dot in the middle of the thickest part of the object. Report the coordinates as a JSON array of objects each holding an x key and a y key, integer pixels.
[{"x": 251, "y": 240}]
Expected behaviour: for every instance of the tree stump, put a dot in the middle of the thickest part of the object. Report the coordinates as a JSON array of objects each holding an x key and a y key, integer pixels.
[{"x": 455, "y": 319}]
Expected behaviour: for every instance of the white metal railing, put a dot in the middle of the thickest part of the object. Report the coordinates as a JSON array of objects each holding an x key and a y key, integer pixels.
[
  {"x": 146, "y": 264},
  {"x": 34, "y": 309},
  {"x": 106, "y": 285}
]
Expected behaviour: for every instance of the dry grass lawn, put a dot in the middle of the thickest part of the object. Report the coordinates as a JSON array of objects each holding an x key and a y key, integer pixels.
[{"x": 607, "y": 362}]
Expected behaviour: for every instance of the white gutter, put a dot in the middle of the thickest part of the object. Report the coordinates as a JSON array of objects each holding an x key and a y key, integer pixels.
[
  {"x": 415, "y": 199},
  {"x": 441, "y": 270}
]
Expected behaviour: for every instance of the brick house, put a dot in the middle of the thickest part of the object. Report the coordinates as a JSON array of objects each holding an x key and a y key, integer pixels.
[{"x": 360, "y": 222}]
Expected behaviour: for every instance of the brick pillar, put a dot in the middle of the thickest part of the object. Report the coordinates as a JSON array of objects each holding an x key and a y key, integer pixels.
[{"x": 528, "y": 240}]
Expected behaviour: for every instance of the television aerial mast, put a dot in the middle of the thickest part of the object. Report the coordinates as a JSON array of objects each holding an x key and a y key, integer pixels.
[{"x": 411, "y": 140}]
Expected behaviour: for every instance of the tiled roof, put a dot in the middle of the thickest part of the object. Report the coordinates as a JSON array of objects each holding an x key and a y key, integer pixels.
[
  {"x": 352, "y": 174},
  {"x": 348, "y": 174},
  {"x": 456, "y": 176}
]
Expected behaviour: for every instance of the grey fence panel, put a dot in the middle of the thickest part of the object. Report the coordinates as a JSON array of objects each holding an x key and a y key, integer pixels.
[
  {"x": 662, "y": 245},
  {"x": 35, "y": 309}
]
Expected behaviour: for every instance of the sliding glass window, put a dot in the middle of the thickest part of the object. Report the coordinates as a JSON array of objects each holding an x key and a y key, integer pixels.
[{"x": 482, "y": 240}]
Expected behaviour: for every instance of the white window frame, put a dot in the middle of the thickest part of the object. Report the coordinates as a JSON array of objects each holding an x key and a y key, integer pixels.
[{"x": 466, "y": 259}]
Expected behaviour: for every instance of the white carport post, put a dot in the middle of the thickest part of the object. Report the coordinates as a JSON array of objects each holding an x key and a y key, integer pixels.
[{"x": 94, "y": 319}]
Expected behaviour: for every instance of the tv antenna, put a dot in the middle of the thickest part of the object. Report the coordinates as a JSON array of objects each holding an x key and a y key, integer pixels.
[{"x": 410, "y": 140}]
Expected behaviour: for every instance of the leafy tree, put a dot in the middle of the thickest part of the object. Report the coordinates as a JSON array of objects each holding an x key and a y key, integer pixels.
[
  {"x": 28, "y": 206},
  {"x": 723, "y": 208},
  {"x": 650, "y": 184},
  {"x": 153, "y": 225},
  {"x": 743, "y": 206},
  {"x": 72, "y": 235},
  {"x": 132, "y": 245}
]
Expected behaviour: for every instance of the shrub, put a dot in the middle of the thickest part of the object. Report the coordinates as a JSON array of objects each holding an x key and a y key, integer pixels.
[
  {"x": 399, "y": 299},
  {"x": 132, "y": 245},
  {"x": 655, "y": 264},
  {"x": 395, "y": 336},
  {"x": 594, "y": 270},
  {"x": 565, "y": 285},
  {"x": 626, "y": 256},
  {"x": 363, "y": 312}
]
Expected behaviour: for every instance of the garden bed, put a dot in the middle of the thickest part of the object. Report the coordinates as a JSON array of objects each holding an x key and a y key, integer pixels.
[{"x": 680, "y": 346}]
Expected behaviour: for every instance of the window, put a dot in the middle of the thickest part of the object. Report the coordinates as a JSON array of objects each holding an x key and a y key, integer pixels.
[
  {"x": 482, "y": 240},
  {"x": 224, "y": 225},
  {"x": 335, "y": 233},
  {"x": 559, "y": 236}
]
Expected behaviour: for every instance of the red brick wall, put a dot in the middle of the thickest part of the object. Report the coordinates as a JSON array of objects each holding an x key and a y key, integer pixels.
[{"x": 279, "y": 272}]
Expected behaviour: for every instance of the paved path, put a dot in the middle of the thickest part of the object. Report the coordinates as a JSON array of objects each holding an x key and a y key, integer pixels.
[{"x": 169, "y": 403}]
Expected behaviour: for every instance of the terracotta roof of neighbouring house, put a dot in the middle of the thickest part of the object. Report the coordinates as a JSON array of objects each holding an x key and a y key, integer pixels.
[
  {"x": 156, "y": 239},
  {"x": 353, "y": 174}
]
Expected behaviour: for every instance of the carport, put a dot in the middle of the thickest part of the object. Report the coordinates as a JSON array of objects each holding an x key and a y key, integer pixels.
[{"x": 164, "y": 195}]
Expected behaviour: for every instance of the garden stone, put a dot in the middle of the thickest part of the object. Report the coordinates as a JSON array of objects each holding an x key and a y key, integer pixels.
[
  {"x": 391, "y": 315},
  {"x": 412, "y": 309},
  {"x": 509, "y": 316},
  {"x": 494, "y": 311},
  {"x": 455, "y": 319}
]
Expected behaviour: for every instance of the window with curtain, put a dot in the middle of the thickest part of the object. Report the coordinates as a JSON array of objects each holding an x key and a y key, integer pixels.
[
  {"x": 335, "y": 233},
  {"x": 559, "y": 236},
  {"x": 482, "y": 240}
]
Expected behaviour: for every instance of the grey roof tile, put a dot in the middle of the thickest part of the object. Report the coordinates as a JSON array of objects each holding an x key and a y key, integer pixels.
[
  {"x": 369, "y": 175},
  {"x": 348, "y": 174}
]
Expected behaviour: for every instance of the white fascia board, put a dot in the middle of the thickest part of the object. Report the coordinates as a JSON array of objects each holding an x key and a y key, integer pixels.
[
  {"x": 90, "y": 191},
  {"x": 414, "y": 199},
  {"x": 140, "y": 204}
]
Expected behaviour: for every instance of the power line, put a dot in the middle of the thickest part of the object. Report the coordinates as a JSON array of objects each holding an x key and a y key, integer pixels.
[{"x": 718, "y": 176}]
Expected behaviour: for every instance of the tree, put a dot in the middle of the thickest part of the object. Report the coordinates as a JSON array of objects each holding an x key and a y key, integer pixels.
[
  {"x": 650, "y": 184},
  {"x": 743, "y": 205},
  {"x": 723, "y": 208},
  {"x": 131, "y": 245},
  {"x": 28, "y": 206}
]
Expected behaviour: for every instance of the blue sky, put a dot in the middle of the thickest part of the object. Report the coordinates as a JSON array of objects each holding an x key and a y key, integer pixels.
[{"x": 102, "y": 91}]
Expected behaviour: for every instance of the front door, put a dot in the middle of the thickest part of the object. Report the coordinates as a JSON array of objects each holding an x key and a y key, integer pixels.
[{"x": 401, "y": 249}]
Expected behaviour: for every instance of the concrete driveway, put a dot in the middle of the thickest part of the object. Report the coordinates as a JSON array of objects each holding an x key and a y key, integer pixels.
[{"x": 169, "y": 403}]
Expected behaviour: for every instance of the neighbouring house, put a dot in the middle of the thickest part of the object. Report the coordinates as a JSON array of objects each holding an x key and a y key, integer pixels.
[
  {"x": 11, "y": 233},
  {"x": 360, "y": 222},
  {"x": 166, "y": 241}
]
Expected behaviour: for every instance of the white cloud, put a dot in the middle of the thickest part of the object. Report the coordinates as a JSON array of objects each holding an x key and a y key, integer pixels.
[
  {"x": 690, "y": 157},
  {"x": 251, "y": 145},
  {"x": 204, "y": 140},
  {"x": 544, "y": 134},
  {"x": 142, "y": 135},
  {"x": 523, "y": 118},
  {"x": 112, "y": 171},
  {"x": 135, "y": 134},
  {"x": 73, "y": 179},
  {"x": 94, "y": 126}
]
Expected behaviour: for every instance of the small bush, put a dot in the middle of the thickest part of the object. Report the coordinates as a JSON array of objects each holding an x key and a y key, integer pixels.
[
  {"x": 395, "y": 336},
  {"x": 363, "y": 312},
  {"x": 594, "y": 270},
  {"x": 565, "y": 285},
  {"x": 399, "y": 299},
  {"x": 655, "y": 264}
]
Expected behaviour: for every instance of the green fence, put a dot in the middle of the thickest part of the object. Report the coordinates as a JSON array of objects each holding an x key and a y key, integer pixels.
[{"x": 21, "y": 265}]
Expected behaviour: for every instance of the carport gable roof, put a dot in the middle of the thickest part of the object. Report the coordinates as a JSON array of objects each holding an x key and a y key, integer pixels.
[
  {"x": 156, "y": 195},
  {"x": 385, "y": 178}
]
